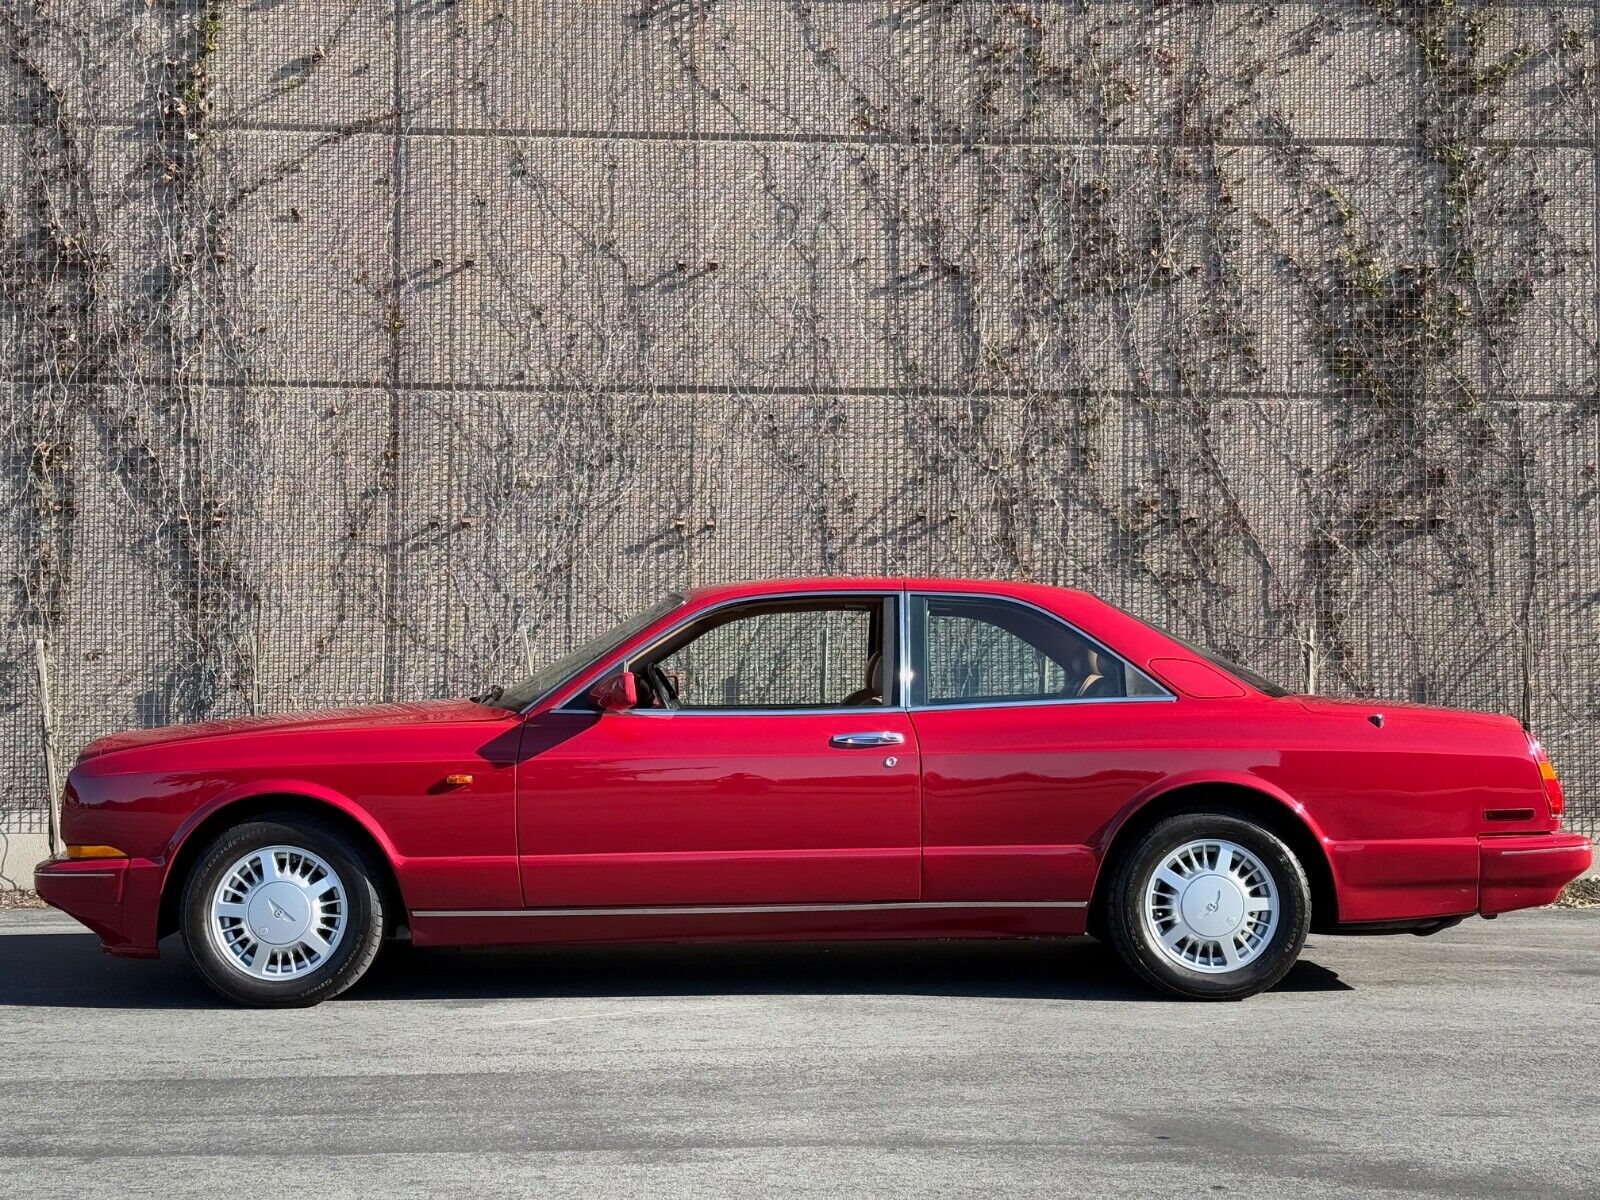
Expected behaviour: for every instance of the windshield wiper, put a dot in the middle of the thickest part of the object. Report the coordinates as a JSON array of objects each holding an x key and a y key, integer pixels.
[{"x": 490, "y": 696}]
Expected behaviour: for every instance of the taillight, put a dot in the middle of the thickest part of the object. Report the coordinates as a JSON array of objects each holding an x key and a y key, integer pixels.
[{"x": 1552, "y": 785}]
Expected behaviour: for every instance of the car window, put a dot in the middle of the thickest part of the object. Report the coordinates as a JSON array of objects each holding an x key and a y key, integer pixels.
[
  {"x": 1239, "y": 671},
  {"x": 971, "y": 650},
  {"x": 777, "y": 656},
  {"x": 547, "y": 677}
]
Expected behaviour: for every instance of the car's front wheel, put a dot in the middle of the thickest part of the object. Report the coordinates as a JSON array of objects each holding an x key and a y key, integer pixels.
[
  {"x": 1209, "y": 906},
  {"x": 281, "y": 912}
]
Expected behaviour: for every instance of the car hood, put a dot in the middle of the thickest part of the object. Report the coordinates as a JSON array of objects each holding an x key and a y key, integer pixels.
[{"x": 374, "y": 716}]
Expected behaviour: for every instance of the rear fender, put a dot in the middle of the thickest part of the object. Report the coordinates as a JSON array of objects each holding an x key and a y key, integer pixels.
[
  {"x": 1311, "y": 843},
  {"x": 1167, "y": 786}
]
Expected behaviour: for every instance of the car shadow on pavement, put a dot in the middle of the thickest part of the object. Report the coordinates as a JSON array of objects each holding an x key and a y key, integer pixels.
[{"x": 68, "y": 970}]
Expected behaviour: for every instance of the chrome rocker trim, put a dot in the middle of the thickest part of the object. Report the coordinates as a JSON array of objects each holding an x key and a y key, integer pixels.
[{"x": 720, "y": 909}]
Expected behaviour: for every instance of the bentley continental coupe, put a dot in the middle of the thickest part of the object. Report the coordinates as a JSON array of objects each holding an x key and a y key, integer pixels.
[{"x": 814, "y": 759}]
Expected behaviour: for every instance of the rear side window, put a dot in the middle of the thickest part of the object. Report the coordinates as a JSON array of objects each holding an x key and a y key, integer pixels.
[
  {"x": 1254, "y": 678},
  {"x": 968, "y": 650}
]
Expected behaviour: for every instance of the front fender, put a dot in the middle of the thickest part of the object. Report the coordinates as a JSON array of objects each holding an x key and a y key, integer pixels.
[
  {"x": 289, "y": 788},
  {"x": 180, "y": 849}
]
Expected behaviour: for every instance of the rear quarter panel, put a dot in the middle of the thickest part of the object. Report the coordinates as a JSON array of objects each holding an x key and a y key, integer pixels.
[
  {"x": 1024, "y": 802},
  {"x": 1401, "y": 806}
]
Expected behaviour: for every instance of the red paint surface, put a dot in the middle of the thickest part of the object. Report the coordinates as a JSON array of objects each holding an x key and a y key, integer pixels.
[
  {"x": 704, "y": 808},
  {"x": 1018, "y": 806},
  {"x": 1520, "y": 872}
]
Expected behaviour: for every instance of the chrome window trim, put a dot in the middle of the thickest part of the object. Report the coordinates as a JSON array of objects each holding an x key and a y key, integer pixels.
[
  {"x": 565, "y": 706},
  {"x": 818, "y": 711},
  {"x": 958, "y": 705},
  {"x": 1167, "y": 695},
  {"x": 903, "y": 632}
]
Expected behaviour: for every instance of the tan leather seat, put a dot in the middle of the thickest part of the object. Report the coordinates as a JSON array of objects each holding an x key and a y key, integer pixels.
[
  {"x": 873, "y": 692},
  {"x": 1094, "y": 684}
]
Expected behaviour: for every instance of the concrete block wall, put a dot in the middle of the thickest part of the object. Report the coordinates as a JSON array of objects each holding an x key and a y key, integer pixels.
[{"x": 354, "y": 349}]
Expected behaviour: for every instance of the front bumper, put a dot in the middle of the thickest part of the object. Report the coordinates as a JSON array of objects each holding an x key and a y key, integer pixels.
[
  {"x": 118, "y": 898},
  {"x": 1525, "y": 871}
]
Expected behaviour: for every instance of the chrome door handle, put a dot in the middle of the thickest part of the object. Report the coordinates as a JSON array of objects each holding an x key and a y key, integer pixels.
[{"x": 866, "y": 741}]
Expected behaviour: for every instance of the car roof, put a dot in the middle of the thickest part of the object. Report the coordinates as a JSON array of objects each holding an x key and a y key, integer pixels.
[{"x": 876, "y": 583}]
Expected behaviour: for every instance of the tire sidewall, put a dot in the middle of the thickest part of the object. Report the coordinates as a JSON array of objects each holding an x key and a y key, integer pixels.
[
  {"x": 1137, "y": 945},
  {"x": 350, "y": 958}
]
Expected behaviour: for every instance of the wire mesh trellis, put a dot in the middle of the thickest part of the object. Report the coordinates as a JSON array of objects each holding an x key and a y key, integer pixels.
[{"x": 358, "y": 349}]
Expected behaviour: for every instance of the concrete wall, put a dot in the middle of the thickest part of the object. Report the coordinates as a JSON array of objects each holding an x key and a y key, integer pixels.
[{"x": 356, "y": 349}]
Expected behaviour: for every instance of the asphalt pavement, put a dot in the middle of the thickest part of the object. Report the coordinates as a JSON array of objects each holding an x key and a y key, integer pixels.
[{"x": 1464, "y": 1064}]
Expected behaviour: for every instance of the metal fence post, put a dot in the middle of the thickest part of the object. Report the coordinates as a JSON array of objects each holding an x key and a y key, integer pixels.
[{"x": 47, "y": 731}]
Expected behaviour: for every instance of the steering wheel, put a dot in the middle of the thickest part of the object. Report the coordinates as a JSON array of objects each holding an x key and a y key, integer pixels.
[{"x": 661, "y": 685}]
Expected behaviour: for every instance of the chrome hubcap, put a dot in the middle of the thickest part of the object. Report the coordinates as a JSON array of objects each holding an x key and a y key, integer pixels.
[
  {"x": 278, "y": 913},
  {"x": 1211, "y": 906}
]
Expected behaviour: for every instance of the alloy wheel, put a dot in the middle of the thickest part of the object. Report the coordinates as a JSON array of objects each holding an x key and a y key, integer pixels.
[
  {"x": 278, "y": 913},
  {"x": 1211, "y": 906}
]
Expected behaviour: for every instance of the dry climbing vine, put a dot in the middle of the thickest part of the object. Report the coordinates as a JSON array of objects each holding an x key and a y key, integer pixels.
[{"x": 375, "y": 348}]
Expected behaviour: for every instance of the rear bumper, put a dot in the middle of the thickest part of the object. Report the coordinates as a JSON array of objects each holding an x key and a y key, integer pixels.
[
  {"x": 118, "y": 898},
  {"x": 1528, "y": 870}
]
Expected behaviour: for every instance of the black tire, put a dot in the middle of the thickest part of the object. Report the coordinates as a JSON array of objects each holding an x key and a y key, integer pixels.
[
  {"x": 1135, "y": 938},
  {"x": 362, "y": 932}
]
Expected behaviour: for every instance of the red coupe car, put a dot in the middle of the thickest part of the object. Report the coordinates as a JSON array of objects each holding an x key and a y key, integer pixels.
[{"x": 840, "y": 758}]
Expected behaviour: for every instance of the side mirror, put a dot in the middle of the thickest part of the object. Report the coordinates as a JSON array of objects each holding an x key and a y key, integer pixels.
[{"x": 617, "y": 694}]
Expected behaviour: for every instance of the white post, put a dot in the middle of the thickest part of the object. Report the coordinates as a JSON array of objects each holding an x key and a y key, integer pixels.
[
  {"x": 1308, "y": 648},
  {"x": 47, "y": 729}
]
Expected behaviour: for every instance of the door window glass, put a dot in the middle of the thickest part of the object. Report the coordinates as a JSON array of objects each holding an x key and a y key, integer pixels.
[
  {"x": 776, "y": 656},
  {"x": 971, "y": 650}
]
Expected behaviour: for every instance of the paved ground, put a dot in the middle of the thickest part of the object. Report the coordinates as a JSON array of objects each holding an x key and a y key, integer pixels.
[{"x": 1459, "y": 1065}]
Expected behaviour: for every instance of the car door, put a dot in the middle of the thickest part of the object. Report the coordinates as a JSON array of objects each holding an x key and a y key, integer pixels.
[
  {"x": 1033, "y": 736},
  {"x": 770, "y": 762}
]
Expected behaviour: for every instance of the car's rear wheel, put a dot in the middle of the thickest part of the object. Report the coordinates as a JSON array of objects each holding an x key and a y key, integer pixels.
[
  {"x": 283, "y": 911},
  {"x": 1209, "y": 906}
]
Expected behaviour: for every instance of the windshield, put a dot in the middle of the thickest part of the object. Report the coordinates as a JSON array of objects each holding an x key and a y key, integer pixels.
[{"x": 554, "y": 674}]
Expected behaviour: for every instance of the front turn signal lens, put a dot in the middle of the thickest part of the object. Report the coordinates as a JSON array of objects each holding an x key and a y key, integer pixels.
[{"x": 95, "y": 852}]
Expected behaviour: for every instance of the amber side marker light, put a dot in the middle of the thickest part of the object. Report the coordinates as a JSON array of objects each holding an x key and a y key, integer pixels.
[{"x": 95, "y": 852}]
